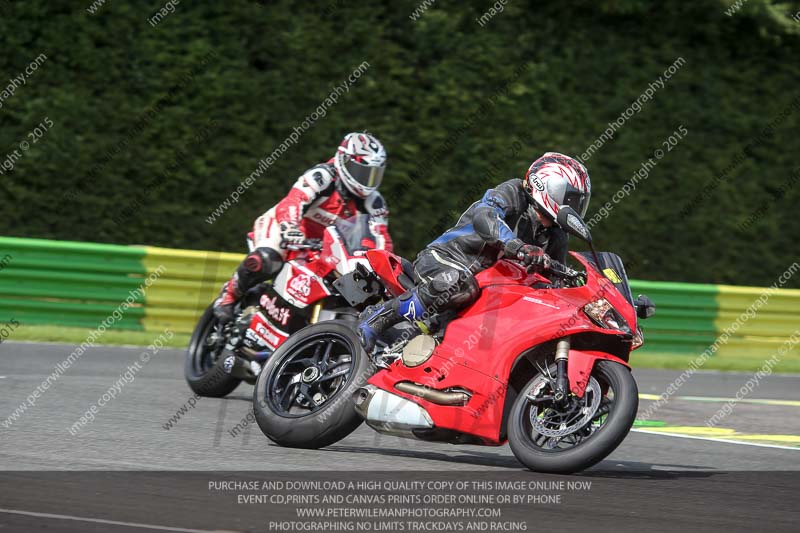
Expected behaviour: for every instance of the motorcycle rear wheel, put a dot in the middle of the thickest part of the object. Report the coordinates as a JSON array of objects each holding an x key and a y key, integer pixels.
[
  {"x": 593, "y": 442},
  {"x": 203, "y": 368},
  {"x": 303, "y": 397}
]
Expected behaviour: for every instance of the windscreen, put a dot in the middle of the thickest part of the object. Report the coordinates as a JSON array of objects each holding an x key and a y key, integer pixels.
[
  {"x": 612, "y": 267},
  {"x": 355, "y": 233}
]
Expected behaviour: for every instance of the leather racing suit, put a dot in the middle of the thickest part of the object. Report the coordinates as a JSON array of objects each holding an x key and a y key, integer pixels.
[
  {"x": 317, "y": 200},
  {"x": 446, "y": 268}
]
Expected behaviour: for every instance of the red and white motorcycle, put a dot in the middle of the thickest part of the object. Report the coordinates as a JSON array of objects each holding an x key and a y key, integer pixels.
[{"x": 304, "y": 292}]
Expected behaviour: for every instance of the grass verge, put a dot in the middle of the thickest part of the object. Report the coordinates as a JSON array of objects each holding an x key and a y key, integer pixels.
[
  {"x": 788, "y": 365},
  {"x": 112, "y": 337}
]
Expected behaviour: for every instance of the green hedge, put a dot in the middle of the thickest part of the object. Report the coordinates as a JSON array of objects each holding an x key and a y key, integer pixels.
[{"x": 154, "y": 127}]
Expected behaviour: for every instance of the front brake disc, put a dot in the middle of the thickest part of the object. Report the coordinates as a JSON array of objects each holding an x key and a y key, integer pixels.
[{"x": 550, "y": 421}]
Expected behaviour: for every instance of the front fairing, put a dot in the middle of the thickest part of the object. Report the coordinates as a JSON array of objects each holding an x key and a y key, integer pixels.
[
  {"x": 617, "y": 292},
  {"x": 505, "y": 272},
  {"x": 344, "y": 244}
]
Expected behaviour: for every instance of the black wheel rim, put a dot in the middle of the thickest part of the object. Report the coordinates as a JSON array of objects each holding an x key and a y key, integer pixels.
[
  {"x": 552, "y": 414},
  {"x": 310, "y": 375},
  {"x": 205, "y": 349}
]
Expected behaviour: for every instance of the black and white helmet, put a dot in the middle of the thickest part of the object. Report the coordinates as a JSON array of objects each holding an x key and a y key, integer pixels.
[{"x": 360, "y": 162}]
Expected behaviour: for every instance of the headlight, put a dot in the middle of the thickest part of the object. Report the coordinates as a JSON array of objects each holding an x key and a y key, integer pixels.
[{"x": 604, "y": 315}]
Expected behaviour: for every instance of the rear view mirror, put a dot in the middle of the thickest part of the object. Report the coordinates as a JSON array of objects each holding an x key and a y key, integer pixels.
[
  {"x": 571, "y": 222},
  {"x": 645, "y": 308}
]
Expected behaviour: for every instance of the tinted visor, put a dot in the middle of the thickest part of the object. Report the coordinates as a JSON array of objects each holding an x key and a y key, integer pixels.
[
  {"x": 366, "y": 175},
  {"x": 577, "y": 200}
]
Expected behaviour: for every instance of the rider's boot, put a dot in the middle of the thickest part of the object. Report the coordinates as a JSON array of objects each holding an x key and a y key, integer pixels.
[
  {"x": 376, "y": 320},
  {"x": 259, "y": 265},
  {"x": 228, "y": 296}
]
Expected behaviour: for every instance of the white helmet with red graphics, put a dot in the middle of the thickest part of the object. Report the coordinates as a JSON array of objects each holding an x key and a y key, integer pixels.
[
  {"x": 360, "y": 162},
  {"x": 554, "y": 180}
]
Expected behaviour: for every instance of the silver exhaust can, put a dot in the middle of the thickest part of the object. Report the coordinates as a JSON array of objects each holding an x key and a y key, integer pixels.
[{"x": 390, "y": 414}]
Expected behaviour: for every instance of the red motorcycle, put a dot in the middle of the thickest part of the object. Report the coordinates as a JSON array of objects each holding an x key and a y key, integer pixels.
[
  {"x": 540, "y": 361},
  {"x": 221, "y": 356}
]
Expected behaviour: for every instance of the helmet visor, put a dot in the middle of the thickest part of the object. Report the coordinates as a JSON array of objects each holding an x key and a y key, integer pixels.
[
  {"x": 577, "y": 200},
  {"x": 365, "y": 175}
]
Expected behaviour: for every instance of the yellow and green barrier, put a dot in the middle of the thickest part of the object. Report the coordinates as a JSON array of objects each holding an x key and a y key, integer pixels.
[
  {"x": 82, "y": 284},
  {"x": 691, "y": 317},
  {"x": 191, "y": 280}
]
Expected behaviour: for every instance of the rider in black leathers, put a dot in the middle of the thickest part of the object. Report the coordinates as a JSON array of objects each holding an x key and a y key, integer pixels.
[{"x": 515, "y": 219}]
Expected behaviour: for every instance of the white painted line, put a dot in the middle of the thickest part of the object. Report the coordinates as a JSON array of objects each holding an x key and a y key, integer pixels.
[
  {"x": 712, "y": 439},
  {"x": 101, "y": 521},
  {"x": 718, "y": 399}
]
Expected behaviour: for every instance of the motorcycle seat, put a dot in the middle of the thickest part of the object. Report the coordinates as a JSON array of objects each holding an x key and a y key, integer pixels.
[{"x": 408, "y": 278}]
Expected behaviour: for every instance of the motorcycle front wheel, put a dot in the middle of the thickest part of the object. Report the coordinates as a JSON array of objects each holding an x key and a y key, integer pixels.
[{"x": 565, "y": 439}]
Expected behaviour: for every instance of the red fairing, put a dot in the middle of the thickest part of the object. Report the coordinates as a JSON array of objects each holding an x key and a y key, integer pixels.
[
  {"x": 271, "y": 335},
  {"x": 581, "y": 365},
  {"x": 479, "y": 417},
  {"x": 507, "y": 273},
  {"x": 388, "y": 267},
  {"x": 481, "y": 347},
  {"x": 320, "y": 263},
  {"x": 304, "y": 285}
]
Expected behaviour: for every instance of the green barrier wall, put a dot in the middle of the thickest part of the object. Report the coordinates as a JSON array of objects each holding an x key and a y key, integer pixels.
[
  {"x": 69, "y": 283},
  {"x": 685, "y": 316},
  {"x": 82, "y": 284}
]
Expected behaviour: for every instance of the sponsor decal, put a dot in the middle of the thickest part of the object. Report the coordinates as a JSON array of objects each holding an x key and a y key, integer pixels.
[
  {"x": 612, "y": 275},
  {"x": 271, "y": 336},
  {"x": 411, "y": 314},
  {"x": 277, "y": 313},
  {"x": 228, "y": 363},
  {"x": 322, "y": 216},
  {"x": 537, "y": 182},
  {"x": 576, "y": 224},
  {"x": 300, "y": 286},
  {"x": 540, "y": 302}
]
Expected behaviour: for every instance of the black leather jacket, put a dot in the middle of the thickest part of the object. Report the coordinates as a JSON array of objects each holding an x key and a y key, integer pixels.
[{"x": 476, "y": 241}]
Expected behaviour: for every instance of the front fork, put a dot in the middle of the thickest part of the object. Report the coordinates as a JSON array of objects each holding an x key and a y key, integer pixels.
[
  {"x": 561, "y": 392},
  {"x": 315, "y": 311}
]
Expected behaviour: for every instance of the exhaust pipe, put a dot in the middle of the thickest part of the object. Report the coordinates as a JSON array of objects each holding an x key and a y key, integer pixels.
[
  {"x": 432, "y": 395},
  {"x": 390, "y": 414}
]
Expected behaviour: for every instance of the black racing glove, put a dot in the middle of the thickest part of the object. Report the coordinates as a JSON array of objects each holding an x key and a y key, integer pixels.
[
  {"x": 512, "y": 247},
  {"x": 291, "y": 234},
  {"x": 528, "y": 254}
]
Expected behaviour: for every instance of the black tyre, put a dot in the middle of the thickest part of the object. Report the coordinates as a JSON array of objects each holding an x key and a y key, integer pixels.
[
  {"x": 304, "y": 396},
  {"x": 203, "y": 368},
  {"x": 534, "y": 427}
]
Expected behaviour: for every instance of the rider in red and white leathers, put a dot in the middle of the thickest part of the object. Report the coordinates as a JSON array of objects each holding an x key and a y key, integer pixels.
[{"x": 343, "y": 187}]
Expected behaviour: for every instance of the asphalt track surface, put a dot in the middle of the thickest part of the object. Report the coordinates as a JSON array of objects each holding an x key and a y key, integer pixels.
[{"x": 676, "y": 476}]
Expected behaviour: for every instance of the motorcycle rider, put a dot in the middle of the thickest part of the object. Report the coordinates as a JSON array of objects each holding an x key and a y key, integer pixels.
[
  {"x": 516, "y": 219},
  {"x": 344, "y": 186}
]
